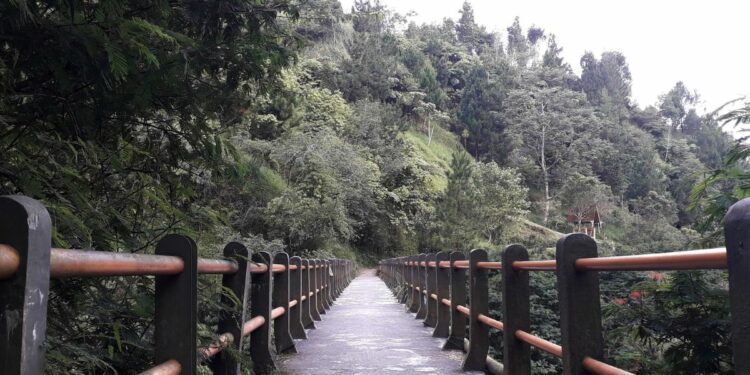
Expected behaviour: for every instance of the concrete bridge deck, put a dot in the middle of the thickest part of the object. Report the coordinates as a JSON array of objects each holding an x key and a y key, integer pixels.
[{"x": 368, "y": 332}]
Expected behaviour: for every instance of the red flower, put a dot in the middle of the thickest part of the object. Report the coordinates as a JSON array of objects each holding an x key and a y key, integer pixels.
[
  {"x": 635, "y": 294},
  {"x": 620, "y": 301}
]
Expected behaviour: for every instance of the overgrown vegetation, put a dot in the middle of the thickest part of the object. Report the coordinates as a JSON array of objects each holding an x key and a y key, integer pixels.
[{"x": 296, "y": 126}]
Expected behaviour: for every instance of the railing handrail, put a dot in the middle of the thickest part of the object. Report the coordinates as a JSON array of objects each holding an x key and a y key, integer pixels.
[
  {"x": 430, "y": 284},
  {"x": 299, "y": 290},
  {"x": 702, "y": 259}
]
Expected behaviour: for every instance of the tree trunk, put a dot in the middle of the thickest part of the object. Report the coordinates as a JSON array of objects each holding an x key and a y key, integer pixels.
[
  {"x": 669, "y": 143},
  {"x": 545, "y": 176},
  {"x": 430, "y": 130},
  {"x": 476, "y": 148}
]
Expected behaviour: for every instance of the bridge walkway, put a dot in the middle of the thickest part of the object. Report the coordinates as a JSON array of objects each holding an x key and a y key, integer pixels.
[{"x": 368, "y": 332}]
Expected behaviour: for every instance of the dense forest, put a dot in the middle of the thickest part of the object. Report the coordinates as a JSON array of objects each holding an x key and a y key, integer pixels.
[{"x": 302, "y": 126}]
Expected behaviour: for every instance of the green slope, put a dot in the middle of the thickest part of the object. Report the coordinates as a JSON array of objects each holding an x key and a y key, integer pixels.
[{"x": 435, "y": 157}]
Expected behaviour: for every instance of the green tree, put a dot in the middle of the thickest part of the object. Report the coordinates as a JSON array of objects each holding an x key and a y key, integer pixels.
[
  {"x": 328, "y": 181},
  {"x": 550, "y": 126},
  {"x": 674, "y": 107},
  {"x": 474, "y": 38},
  {"x": 583, "y": 196},
  {"x": 428, "y": 114},
  {"x": 680, "y": 324},
  {"x": 458, "y": 202},
  {"x": 552, "y": 56},
  {"x": 518, "y": 44},
  {"x": 607, "y": 82},
  {"x": 501, "y": 200},
  {"x": 729, "y": 183},
  {"x": 466, "y": 27},
  {"x": 479, "y": 110},
  {"x": 117, "y": 115}
]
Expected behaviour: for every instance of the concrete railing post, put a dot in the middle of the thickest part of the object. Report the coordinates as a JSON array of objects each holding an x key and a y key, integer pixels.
[
  {"x": 260, "y": 305},
  {"x": 413, "y": 279},
  {"x": 308, "y": 285},
  {"x": 334, "y": 283},
  {"x": 737, "y": 241},
  {"x": 442, "y": 289},
  {"x": 458, "y": 297},
  {"x": 403, "y": 282},
  {"x": 296, "y": 326},
  {"x": 176, "y": 300},
  {"x": 422, "y": 285},
  {"x": 25, "y": 225},
  {"x": 328, "y": 276},
  {"x": 430, "y": 275},
  {"x": 515, "y": 286},
  {"x": 479, "y": 334},
  {"x": 230, "y": 321},
  {"x": 281, "y": 297},
  {"x": 323, "y": 281},
  {"x": 580, "y": 310}
]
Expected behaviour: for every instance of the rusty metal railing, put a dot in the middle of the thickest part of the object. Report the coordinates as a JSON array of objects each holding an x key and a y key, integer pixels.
[
  {"x": 434, "y": 287},
  {"x": 276, "y": 306}
]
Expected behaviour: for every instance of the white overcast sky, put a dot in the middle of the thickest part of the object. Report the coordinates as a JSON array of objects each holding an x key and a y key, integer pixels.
[{"x": 702, "y": 43}]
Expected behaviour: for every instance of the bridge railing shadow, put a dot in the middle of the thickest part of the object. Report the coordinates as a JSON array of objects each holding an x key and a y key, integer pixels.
[
  {"x": 279, "y": 296},
  {"x": 434, "y": 287}
]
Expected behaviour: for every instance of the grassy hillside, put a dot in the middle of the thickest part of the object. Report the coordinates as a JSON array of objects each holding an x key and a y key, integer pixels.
[{"x": 435, "y": 157}]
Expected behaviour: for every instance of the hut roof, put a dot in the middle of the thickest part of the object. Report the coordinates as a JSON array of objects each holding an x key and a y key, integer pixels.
[{"x": 592, "y": 216}]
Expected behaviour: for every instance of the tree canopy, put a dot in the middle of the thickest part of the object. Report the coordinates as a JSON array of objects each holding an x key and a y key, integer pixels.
[{"x": 355, "y": 132}]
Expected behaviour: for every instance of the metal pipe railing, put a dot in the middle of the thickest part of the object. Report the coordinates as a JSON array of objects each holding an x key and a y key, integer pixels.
[
  {"x": 89, "y": 263},
  {"x": 170, "y": 367},
  {"x": 679, "y": 260},
  {"x": 223, "y": 342},
  {"x": 599, "y": 367},
  {"x": 576, "y": 265},
  {"x": 9, "y": 261},
  {"x": 490, "y": 322},
  {"x": 27, "y": 262},
  {"x": 251, "y": 325},
  {"x": 540, "y": 343}
]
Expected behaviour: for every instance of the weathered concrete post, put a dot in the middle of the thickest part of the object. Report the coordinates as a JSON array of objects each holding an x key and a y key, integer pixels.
[
  {"x": 422, "y": 285},
  {"x": 176, "y": 300},
  {"x": 260, "y": 305},
  {"x": 737, "y": 241},
  {"x": 334, "y": 279},
  {"x": 403, "y": 281},
  {"x": 479, "y": 334},
  {"x": 430, "y": 274},
  {"x": 442, "y": 289},
  {"x": 330, "y": 288},
  {"x": 515, "y": 286},
  {"x": 413, "y": 279},
  {"x": 315, "y": 302},
  {"x": 24, "y": 225},
  {"x": 308, "y": 286},
  {"x": 458, "y": 297},
  {"x": 321, "y": 285},
  {"x": 329, "y": 283},
  {"x": 230, "y": 321},
  {"x": 281, "y": 297},
  {"x": 323, "y": 280},
  {"x": 580, "y": 310},
  {"x": 407, "y": 282},
  {"x": 340, "y": 276},
  {"x": 296, "y": 327}
]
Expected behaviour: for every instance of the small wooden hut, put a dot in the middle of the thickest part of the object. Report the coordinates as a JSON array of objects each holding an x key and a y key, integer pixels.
[{"x": 587, "y": 223}]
